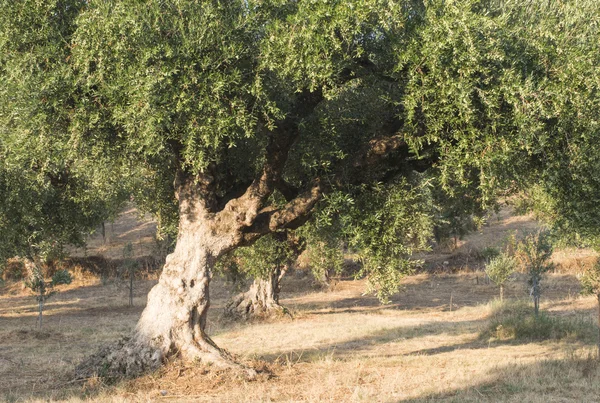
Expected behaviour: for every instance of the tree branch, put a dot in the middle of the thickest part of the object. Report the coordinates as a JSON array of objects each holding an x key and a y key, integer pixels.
[
  {"x": 291, "y": 216},
  {"x": 246, "y": 207}
]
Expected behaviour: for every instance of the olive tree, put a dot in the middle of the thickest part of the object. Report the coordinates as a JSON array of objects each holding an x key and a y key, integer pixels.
[
  {"x": 267, "y": 261},
  {"x": 533, "y": 254},
  {"x": 499, "y": 269},
  {"x": 44, "y": 289},
  {"x": 218, "y": 110}
]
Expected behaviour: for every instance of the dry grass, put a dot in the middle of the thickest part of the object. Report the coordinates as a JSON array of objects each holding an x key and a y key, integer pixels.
[
  {"x": 340, "y": 346},
  {"x": 128, "y": 228}
]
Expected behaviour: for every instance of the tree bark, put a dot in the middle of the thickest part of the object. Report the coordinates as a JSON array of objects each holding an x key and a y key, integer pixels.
[
  {"x": 261, "y": 300},
  {"x": 174, "y": 320}
]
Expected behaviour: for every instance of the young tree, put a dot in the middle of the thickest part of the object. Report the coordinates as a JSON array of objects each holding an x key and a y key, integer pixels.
[
  {"x": 224, "y": 104},
  {"x": 590, "y": 285},
  {"x": 42, "y": 288},
  {"x": 128, "y": 270},
  {"x": 499, "y": 269},
  {"x": 533, "y": 254}
]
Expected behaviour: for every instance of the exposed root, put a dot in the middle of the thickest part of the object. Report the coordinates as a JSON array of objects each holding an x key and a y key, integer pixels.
[
  {"x": 128, "y": 358},
  {"x": 206, "y": 351}
]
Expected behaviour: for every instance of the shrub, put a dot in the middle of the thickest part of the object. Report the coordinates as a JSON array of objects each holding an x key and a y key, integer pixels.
[
  {"x": 533, "y": 254},
  {"x": 488, "y": 253},
  {"x": 499, "y": 269},
  {"x": 514, "y": 321},
  {"x": 590, "y": 284},
  {"x": 44, "y": 289}
]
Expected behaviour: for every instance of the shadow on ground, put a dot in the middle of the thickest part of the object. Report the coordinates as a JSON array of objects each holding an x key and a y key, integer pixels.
[{"x": 572, "y": 379}]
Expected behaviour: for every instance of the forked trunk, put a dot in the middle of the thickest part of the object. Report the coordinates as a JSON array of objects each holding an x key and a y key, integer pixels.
[{"x": 261, "y": 300}]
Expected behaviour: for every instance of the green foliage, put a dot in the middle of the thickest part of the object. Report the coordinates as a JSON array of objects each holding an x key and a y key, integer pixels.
[
  {"x": 387, "y": 224},
  {"x": 260, "y": 259},
  {"x": 49, "y": 194},
  {"x": 533, "y": 254},
  {"x": 326, "y": 258},
  {"x": 544, "y": 206},
  {"x": 500, "y": 268},
  {"x": 488, "y": 253},
  {"x": 383, "y": 224},
  {"x": 458, "y": 208},
  {"x": 102, "y": 96},
  {"x": 590, "y": 281},
  {"x": 513, "y": 321},
  {"x": 44, "y": 289}
]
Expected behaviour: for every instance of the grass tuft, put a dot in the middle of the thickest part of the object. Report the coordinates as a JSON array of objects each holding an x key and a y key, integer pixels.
[{"x": 515, "y": 321}]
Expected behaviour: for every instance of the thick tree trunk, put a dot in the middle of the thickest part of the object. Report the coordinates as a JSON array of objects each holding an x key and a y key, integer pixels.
[
  {"x": 261, "y": 300},
  {"x": 174, "y": 320}
]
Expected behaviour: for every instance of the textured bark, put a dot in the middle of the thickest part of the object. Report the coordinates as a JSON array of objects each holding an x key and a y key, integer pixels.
[
  {"x": 174, "y": 320},
  {"x": 261, "y": 300}
]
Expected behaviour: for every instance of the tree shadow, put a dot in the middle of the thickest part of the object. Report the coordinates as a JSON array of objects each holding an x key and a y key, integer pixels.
[
  {"x": 399, "y": 334},
  {"x": 344, "y": 349},
  {"x": 572, "y": 379}
]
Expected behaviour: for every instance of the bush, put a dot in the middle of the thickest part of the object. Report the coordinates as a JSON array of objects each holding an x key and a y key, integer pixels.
[
  {"x": 515, "y": 321},
  {"x": 14, "y": 269},
  {"x": 499, "y": 269},
  {"x": 488, "y": 253}
]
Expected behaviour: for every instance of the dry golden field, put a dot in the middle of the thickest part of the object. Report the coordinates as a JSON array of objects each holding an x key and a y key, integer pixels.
[{"x": 429, "y": 344}]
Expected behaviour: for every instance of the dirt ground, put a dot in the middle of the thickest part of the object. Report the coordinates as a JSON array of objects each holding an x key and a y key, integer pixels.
[{"x": 338, "y": 345}]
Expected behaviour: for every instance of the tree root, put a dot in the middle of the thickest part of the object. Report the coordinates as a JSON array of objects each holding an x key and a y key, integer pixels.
[{"x": 128, "y": 359}]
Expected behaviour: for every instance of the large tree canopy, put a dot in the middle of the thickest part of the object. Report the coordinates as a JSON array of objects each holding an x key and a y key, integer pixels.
[
  {"x": 49, "y": 195},
  {"x": 251, "y": 112}
]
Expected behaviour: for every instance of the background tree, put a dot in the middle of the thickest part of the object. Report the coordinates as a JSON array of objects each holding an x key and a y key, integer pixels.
[
  {"x": 127, "y": 271},
  {"x": 267, "y": 261},
  {"x": 43, "y": 289},
  {"x": 533, "y": 254},
  {"x": 216, "y": 106},
  {"x": 499, "y": 269}
]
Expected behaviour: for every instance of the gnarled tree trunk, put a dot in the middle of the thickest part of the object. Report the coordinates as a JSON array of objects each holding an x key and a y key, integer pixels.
[
  {"x": 174, "y": 320},
  {"x": 261, "y": 300}
]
